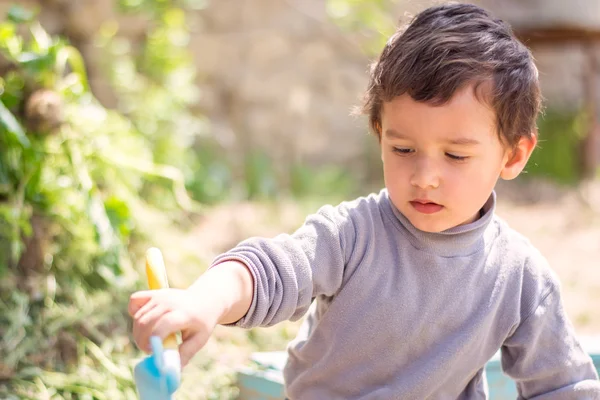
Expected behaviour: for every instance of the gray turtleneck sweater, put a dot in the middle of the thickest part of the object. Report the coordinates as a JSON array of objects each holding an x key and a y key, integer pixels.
[{"x": 404, "y": 314}]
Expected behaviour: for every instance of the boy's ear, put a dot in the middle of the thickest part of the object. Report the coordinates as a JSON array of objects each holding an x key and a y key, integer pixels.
[{"x": 516, "y": 159}]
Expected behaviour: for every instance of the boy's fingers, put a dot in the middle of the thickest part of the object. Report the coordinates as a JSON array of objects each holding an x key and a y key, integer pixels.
[
  {"x": 148, "y": 318},
  {"x": 170, "y": 322},
  {"x": 146, "y": 308},
  {"x": 137, "y": 301},
  {"x": 190, "y": 347},
  {"x": 139, "y": 335},
  {"x": 143, "y": 327}
]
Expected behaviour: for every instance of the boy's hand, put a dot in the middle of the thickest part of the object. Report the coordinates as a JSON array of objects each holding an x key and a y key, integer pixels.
[
  {"x": 165, "y": 311},
  {"x": 222, "y": 295}
]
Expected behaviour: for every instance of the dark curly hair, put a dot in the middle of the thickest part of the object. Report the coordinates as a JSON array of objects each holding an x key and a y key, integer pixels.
[{"x": 447, "y": 47}]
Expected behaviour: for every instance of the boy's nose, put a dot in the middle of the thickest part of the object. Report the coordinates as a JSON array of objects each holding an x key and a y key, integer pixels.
[{"x": 425, "y": 175}]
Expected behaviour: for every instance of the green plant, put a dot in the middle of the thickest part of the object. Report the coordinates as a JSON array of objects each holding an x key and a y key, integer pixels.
[
  {"x": 330, "y": 182},
  {"x": 259, "y": 177},
  {"x": 70, "y": 176},
  {"x": 157, "y": 7},
  {"x": 156, "y": 88},
  {"x": 556, "y": 157},
  {"x": 65, "y": 350}
]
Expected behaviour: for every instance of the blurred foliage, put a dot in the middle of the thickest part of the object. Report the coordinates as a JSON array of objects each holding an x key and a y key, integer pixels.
[
  {"x": 156, "y": 91},
  {"x": 259, "y": 177},
  {"x": 374, "y": 21},
  {"x": 262, "y": 181},
  {"x": 64, "y": 349},
  {"x": 326, "y": 182},
  {"x": 53, "y": 165},
  {"x": 71, "y": 174},
  {"x": 158, "y": 7},
  {"x": 557, "y": 155}
]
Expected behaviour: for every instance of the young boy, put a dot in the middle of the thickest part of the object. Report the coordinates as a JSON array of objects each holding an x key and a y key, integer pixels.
[{"x": 418, "y": 286}]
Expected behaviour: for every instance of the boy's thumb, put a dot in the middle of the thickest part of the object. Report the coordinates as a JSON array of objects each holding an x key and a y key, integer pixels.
[{"x": 190, "y": 346}]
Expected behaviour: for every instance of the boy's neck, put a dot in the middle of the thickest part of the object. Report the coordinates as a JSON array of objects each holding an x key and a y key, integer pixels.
[{"x": 457, "y": 241}]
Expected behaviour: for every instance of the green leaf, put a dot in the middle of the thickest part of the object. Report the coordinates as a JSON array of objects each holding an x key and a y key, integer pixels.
[
  {"x": 71, "y": 55},
  {"x": 105, "y": 233},
  {"x": 12, "y": 126},
  {"x": 119, "y": 214},
  {"x": 10, "y": 42},
  {"x": 7, "y": 31},
  {"x": 18, "y": 14},
  {"x": 41, "y": 40},
  {"x": 13, "y": 88},
  {"x": 36, "y": 62}
]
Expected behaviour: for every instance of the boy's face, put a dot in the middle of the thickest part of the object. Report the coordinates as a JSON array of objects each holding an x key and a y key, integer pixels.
[{"x": 441, "y": 163}]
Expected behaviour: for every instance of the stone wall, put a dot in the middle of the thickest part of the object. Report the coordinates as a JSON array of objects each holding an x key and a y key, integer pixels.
[
  {"x": 277, "y": 75},
  {"x": 584, "y": 14}
]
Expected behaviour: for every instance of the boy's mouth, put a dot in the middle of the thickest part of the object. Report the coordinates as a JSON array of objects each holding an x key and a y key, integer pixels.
[{"x": 425, "y": 206}]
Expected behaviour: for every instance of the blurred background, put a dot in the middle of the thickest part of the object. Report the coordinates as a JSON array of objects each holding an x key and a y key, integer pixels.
[{"x": 190, "y": 125}]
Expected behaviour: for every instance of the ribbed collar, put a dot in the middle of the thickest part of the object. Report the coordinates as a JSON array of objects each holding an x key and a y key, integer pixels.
[{"x": 454, "y": 242}]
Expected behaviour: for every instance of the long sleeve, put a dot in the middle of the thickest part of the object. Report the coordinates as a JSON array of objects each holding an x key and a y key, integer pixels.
[
  {"x": 289, "y": 271},
  {"x": 544, "y": 357}
]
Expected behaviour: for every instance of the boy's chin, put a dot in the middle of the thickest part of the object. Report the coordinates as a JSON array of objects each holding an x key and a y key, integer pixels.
[
  {"x": 436, "y": 226},
  {"x": 430, "y": 229},
  {"x": 430, "y": 226}
]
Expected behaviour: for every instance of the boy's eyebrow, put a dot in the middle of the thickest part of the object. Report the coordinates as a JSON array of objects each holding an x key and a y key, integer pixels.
[
  {"x": 392, "y": 134},
  {"x": 461, "y": 141}
]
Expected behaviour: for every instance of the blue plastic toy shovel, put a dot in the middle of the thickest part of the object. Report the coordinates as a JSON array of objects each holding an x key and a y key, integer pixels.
[{"x": 159, "y": 375}]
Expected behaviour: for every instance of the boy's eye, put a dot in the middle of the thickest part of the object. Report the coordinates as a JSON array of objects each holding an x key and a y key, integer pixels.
[
  {"x": 455, "y": 157},
  {"x": 403, "y": 150}
]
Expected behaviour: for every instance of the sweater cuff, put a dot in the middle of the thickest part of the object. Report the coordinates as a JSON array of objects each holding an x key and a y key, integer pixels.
[{"x": 245, "y": 321}]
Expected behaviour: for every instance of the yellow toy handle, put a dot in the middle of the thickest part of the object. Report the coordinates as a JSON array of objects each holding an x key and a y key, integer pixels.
[{"x": 157, "y": 279}]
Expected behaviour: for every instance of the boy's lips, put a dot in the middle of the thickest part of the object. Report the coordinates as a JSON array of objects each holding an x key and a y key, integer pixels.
[{"x": 426, "y": 206}]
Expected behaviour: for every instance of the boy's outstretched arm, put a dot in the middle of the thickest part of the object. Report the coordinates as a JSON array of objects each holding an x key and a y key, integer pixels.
[
  {"x": 222, "y": 295},
  {"x": 545, "y": 358},
  {"x": 290, "y": 271},
  {"x": 259, "y": 282}
]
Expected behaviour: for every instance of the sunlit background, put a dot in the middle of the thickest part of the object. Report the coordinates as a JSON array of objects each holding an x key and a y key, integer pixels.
[{"x": 191, "y": 125}]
